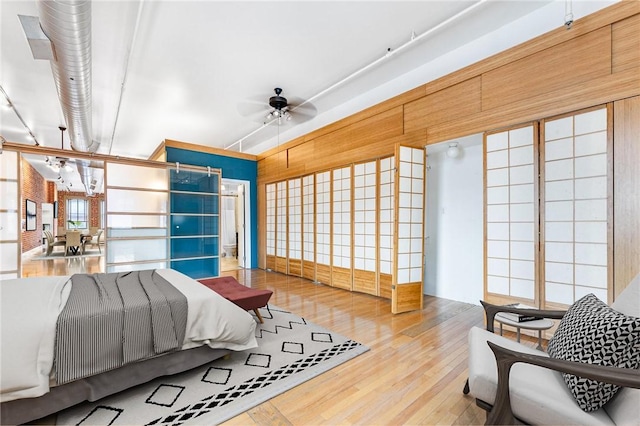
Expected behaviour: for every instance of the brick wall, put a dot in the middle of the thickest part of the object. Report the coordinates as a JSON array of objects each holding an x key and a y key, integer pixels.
[{"x": 36, "y": 189}]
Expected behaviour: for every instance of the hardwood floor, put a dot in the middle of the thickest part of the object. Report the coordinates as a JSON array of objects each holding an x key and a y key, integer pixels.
[{"x": 413, "y": 374}]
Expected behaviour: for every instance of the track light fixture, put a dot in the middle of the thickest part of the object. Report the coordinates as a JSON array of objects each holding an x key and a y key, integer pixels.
[{"x": 11, "y": 105}]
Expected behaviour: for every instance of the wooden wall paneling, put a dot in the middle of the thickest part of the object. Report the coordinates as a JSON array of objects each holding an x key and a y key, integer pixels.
[
  {"x": 610, "y": 199},
  {"x": 169, "y": 143},
  {"x": 625, "y": 44},
  {"x": 608, "y": 16},
  {"x": 386, "y": 281},
  {"x": 350, "y": 140},
  {"x": 405, "y": 296},
  {"x": 574, "y": 62},
  {"x": 262, "y": 225},
  {"x": 323, "y": 273},
  {"x": 270, "y": 263},
  {"x": 365, "y": 282},
  {"x": 342, "y": 278},
  {"x": 597, "y": 91},
  {"x": 298, "y": 157},
  {"x": 454, "y": 101},
  {"x": 626, "y": 196}
]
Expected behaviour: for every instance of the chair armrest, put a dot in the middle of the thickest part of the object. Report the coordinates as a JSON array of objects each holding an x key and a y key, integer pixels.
[
  {"x": 505, "y": 358},
  {"x": 491, "y": 311}
]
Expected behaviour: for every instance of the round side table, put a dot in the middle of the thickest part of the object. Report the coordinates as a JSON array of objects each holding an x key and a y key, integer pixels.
[{"x": 540, "y": 325}]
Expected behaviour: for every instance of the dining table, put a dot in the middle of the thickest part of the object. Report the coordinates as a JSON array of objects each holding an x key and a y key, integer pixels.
[{"x": 74, "y": 249}]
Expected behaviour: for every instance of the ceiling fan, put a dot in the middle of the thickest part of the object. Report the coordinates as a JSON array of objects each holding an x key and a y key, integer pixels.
[{"x": 279, "y": 109}]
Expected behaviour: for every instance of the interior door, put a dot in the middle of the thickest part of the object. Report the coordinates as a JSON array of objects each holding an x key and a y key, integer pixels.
[{"x": 410, "y": 184}]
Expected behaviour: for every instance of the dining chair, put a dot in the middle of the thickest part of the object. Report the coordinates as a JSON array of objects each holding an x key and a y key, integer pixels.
[
  {"x": 73, "y": 242},
  {"x": 51, "y": 242},
  {"x": 93, "y": 240}
]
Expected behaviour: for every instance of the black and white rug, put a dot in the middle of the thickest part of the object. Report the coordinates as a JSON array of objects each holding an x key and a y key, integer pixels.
[{"x": 291, "y": 351}]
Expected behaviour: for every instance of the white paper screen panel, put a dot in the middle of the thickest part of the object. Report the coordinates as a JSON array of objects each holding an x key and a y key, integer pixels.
[
  {"x": 271, "y": 219},
  {"x": 323, "y": 218},
  {"x": 575, "y": 207},
  {"x": 511, "y": 213},
  {"x": 341, "y": 224},
  {"x": 364, "y": 222},
  {"x": 385, "y": 215},
  {"x": 410, "y": 215},
  {"x": 308, "y": 218},
  {"x": 295, "y": 219},
  {"x": 281, "y": 220},
  {"x": 9, "y": 202}
]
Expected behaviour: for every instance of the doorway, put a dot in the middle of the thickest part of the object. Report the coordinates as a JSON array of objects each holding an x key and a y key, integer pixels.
[{"x": 235, "y": 238}]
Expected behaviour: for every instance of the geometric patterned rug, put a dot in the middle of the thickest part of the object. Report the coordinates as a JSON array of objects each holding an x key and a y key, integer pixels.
[{"x": 290, "y": 352}]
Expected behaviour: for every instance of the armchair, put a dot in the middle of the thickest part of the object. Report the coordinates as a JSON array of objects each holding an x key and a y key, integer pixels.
[{"x": 515, "y": 382}]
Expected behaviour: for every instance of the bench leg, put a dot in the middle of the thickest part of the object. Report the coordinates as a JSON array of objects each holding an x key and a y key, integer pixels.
[{"x": 258, "y": 315}]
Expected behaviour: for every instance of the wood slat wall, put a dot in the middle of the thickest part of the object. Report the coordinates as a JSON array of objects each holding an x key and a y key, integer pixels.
[
  {"x": 595, "y": 62},
  {"x": 626, "y": 198}
]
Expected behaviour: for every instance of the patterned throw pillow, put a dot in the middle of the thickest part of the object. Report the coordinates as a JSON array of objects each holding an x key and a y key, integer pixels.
[{"x": 593, "y": 333}]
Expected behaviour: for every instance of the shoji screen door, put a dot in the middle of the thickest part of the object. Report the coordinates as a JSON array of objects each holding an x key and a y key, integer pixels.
[
  {"x": 281, "y": 227},
  {"x": 406, "y": 291},
  {"x": 271, "y": 226},
  {"x": 341, "y": 229},
  {"x": 386, "y": 228},
  {"x": 308, "y": 228},
  {"x": 9, "y": 215},
  {"x": 295, "y": 227},
  {"x": 511, "y": 216},
  {"x": 577, "y": 232},
  {"x": 323, "y": 227},
  {"x": 364, "y": 233}
]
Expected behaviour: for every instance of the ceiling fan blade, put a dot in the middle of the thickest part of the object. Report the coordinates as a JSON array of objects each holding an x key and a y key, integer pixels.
[
  {"x": 253, "y": 109},
  {"x": 301, "y": 111}
]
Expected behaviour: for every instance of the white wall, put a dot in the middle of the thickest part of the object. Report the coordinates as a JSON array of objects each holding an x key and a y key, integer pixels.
[{"x": 454, "y": 224}]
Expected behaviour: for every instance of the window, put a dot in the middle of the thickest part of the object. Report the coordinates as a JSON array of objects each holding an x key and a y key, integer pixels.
[
  {"x": 77, "y": 213},
  {"x": 101, "y": 220}
]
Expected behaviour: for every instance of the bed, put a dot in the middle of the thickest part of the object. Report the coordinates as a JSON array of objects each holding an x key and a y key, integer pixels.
[{"x": 30, "y": 311}]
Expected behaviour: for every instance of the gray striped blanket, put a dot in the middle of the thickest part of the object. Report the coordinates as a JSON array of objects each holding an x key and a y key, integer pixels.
[{"x": 115, "y": 319}]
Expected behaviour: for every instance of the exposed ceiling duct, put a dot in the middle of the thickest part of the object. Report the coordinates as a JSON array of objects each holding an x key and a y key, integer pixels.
[{"x": 67, "y": 24}]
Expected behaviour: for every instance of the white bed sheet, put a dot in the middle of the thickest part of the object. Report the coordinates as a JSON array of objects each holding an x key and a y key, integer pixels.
[{"x": 30, "y": 307}]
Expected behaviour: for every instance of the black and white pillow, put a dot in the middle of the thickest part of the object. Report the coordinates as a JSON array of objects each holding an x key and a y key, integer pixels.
[{"x": 591, "y": 332}]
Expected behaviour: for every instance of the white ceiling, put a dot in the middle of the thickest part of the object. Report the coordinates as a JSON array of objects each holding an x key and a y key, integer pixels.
[{"x": 190, "y": 70}]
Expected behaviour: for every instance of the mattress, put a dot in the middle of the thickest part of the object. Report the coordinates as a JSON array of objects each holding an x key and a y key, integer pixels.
[{"x": 30, "y": 307}]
